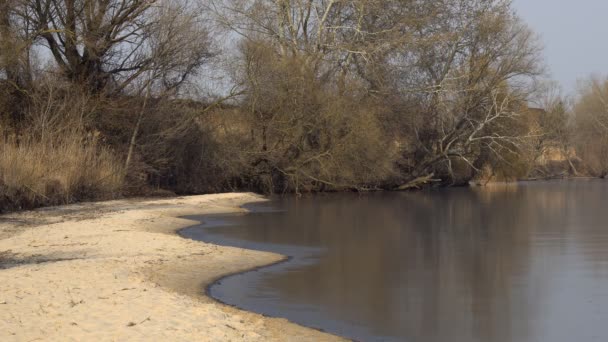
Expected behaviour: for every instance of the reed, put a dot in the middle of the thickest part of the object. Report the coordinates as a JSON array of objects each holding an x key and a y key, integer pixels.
[{"x": 58, "y": 170}]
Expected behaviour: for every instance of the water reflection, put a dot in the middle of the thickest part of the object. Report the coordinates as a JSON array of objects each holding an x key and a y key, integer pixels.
[{"x": 524, "y": 263}]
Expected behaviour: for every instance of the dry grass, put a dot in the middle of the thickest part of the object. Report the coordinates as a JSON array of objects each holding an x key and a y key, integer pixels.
[{"x": 57, "y": 171}]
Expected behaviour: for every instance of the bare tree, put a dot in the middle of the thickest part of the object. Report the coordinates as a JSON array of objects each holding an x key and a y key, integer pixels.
[
  {"x": 324, "y": 94},
  {"x": 177, "y": 52},
  {"x": 109, "y": 44},
  {"x": 552, "y": 151},
  {"x": 14, "y": 67},
  {"x": 591, "y": 118},
  {"x": 299, "y": 70},
  {"x": 455, "y": 73},
  {"x": 334, "y": 38},
  {"x": 464, "y": 86},
  {"x": 7, "y": 40}
]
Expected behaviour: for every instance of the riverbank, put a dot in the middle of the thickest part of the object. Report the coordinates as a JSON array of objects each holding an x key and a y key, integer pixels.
[{"x": 117, "y": 271}]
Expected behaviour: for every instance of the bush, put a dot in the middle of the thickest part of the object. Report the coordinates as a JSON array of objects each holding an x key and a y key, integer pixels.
[{"x": 299, "y": 132}]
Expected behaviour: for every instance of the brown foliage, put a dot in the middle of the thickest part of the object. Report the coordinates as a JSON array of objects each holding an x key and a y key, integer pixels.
[
  {"x": 316, "y": 96},
  {"x": 301, "y": 133}
]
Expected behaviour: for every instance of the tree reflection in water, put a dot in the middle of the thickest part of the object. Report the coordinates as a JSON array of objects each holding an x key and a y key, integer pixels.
[{"x": 513, "y": 263}]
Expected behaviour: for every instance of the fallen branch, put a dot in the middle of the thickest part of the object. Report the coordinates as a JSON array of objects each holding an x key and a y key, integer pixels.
[{"x": 418, "y": 182}]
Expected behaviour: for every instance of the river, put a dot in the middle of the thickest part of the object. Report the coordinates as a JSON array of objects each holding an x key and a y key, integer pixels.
[{"x": 525, "y": 262}]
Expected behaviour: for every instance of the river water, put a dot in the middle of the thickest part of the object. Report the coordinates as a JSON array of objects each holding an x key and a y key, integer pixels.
[{"x": 526, "y": 262}]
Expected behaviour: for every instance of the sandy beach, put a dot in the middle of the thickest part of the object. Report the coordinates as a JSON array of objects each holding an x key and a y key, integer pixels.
[{"x": 116, "y": 271}]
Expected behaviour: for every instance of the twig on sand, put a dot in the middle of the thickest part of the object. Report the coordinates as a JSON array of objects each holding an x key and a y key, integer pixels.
[{"x": 132, "y": 324}]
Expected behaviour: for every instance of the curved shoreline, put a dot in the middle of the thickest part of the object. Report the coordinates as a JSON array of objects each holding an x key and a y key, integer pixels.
[
  {"x": 217, "y": 281},
  {"x": 118, "y": 271},
  {"x": 284, "y": 259}
]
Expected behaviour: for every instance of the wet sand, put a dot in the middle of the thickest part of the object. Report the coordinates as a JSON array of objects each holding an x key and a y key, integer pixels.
[{"x": 117, "y": 271}]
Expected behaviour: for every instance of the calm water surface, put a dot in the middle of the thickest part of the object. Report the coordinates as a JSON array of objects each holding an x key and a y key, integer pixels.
[{"x": 516, "y": 263}]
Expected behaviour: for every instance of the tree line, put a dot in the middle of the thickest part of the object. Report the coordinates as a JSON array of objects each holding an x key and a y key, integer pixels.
[{"x": 102, "y": 98}]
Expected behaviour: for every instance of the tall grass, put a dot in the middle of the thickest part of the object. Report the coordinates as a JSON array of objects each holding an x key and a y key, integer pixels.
[{"x": 56, "y": 171}]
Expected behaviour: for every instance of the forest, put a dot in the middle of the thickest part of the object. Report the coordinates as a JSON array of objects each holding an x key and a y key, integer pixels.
[{"x": 101, "y": 99}]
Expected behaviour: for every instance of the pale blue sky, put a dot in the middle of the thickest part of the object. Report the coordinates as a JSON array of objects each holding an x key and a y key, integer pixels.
[{"x": 574, "y": 33}]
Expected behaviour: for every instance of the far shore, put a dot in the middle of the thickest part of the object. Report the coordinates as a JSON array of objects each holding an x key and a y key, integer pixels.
[
  {"x": 117, "y": 271},
  {"x": 481, "y": 183}
]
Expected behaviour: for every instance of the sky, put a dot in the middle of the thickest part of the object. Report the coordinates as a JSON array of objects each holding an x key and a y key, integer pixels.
[{"x": 574, "y": 34}]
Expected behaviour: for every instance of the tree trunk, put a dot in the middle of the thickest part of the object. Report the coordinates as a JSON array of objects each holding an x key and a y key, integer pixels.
[{"x": 133, "y": 141}]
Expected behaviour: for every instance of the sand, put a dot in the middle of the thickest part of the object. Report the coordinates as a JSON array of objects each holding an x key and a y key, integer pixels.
[{"x": 116, "y": 271}]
